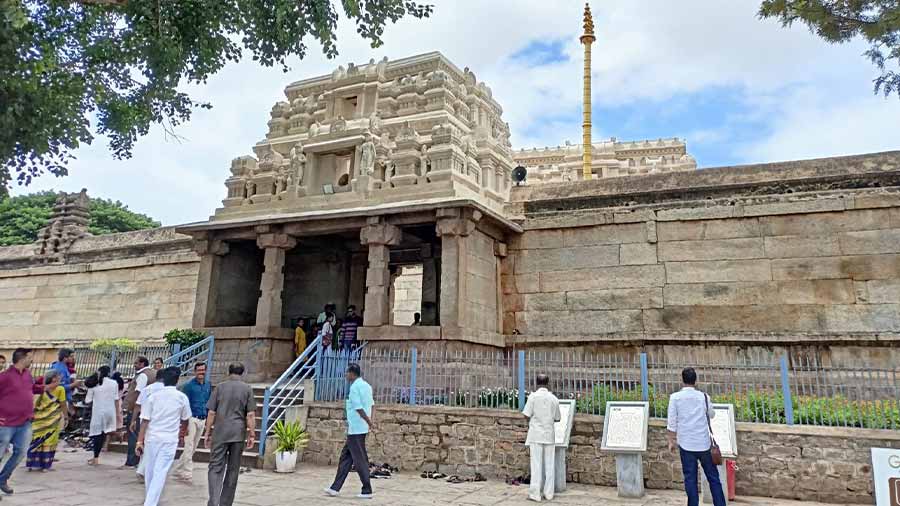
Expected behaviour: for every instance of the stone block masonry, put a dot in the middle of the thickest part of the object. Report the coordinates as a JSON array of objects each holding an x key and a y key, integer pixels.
[
  {"x": 137, "y": 285},
  {"x": 804, "y": 463}
]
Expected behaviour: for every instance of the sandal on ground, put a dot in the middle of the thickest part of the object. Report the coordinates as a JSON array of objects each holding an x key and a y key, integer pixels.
[
  {"x": 479, "y": 477},
  {"x": 455, "y": 479}
]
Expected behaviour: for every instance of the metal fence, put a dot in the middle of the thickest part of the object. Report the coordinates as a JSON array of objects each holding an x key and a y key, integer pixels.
[
  {"x": 764, "y": 387},
  {"x": 87, "y": 361}
]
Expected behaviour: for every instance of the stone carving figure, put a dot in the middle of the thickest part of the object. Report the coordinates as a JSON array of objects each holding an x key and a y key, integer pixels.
[
  {"x": 339, "y": 125},
  {"x": 352, "y": 69},
  {"x": 298, "y": 163},
  {"x": 424, "y": 165},
  {"x": 367, "y": 157},
  {"x": 249, "y": 186},
  {"x": 375, "y": 122},
  {"x": 314, "y": 129},
  {"x": 381, "y": 67},
  {"x": 338, "y": 74}
]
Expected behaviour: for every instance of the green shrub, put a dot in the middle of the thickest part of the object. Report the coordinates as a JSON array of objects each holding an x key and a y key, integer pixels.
[
  {"x": 110, "y": 345},
  {"x": 184, "y": 337}
]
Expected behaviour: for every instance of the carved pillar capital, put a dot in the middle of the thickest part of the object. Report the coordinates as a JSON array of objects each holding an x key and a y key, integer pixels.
[
  {"x": 210, "y": 247},
  {"x": 377, "y": 232},
  {"x": 456, "y": 222},
  {"x": 275, "y": 240}
]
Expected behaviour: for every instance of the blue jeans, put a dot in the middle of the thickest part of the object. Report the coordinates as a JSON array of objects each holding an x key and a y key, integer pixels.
[
  {"x": 20, "y": 437},
  {"x": 689, "y": 468},
  {"x": 131, "y": 458}
]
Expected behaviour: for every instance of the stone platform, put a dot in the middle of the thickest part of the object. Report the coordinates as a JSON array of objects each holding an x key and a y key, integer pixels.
[{"x": 74, "y": 483}]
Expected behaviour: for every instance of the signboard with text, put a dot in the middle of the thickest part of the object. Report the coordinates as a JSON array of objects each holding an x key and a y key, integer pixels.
[
  {"x": 563, "y": 427},
  {"x": 723, "y": 430},
  {"x": 625, "y": 426},
  {"x": 886, "y": 473}
]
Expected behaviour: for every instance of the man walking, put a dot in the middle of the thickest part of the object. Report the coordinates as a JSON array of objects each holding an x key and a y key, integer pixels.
[
  {"x": 144, "y": 376},
  {"x": 542, "y": 410},
  {"x": 16, "y": 412},
  {"x": 163, "y": 416},
  {"x": 141, "y": 401},
  {"x": 230, "y": 420},
  {"x": 689, "y": 413},
  {"x": 359, "y": 422},
  {"x": 198, "y": 391}
]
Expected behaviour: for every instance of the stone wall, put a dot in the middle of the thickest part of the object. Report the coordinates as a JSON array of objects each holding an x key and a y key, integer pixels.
[
  {"x": 406, "y": 294},
  {"x": 137, "y": 285},
  {"x": 737, "y": 255},
  {"x": 806, "y": 463},
  {"x": 481, "y": 283}
]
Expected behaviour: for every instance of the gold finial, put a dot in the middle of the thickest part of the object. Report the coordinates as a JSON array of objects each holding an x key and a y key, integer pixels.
[{"x": 588, "y": 25}]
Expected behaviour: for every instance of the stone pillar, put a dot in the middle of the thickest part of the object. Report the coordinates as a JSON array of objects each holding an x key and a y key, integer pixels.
[
  {"x": 430, "y": 282},
  {"x": 211, "y": 252},
  {"x": 378, "y": 236},
  {"x": 453, "y": 227},
  {"x": 268, "y": 310}
]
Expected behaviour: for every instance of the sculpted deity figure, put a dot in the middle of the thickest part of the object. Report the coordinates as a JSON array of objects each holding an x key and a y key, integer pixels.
[
  {"x": 375, "y": 122},
  {"x": 381, "y": 67},
  {"x": 424, "y": 166},
  {"x": 298, "y": 162},
  {"x": 339, "y": 125},
  {"x": 314, "y": 129},
  {"x": 338, "y": 73},
  {"x": 367, "y": 157},
  {"x": 352, "y": 69}
]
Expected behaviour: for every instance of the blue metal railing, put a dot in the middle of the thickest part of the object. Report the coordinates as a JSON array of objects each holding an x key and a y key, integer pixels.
[
  {"x": 288, "y": 390},
  {"x": 203, "y": 351}
]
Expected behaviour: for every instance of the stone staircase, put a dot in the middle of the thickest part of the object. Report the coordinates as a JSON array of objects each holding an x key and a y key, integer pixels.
[{"x": 250, "y": 457}]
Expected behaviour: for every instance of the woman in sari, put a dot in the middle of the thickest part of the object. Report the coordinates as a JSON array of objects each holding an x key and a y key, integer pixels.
[{"x": 50, "y": 416}]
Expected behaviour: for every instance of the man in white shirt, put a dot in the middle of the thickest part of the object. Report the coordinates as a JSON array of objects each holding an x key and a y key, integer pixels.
[
  {"x": 542, "y": 410},
  {"x": 141, "y": 400},
  {"x": 163, "y": 418},
  {"x": 689, "y": 413}
]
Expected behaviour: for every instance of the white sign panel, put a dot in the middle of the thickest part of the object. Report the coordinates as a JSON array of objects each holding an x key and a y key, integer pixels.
[
  {"x": 886, "y": 473},
  {"x": 625, "y": 426},
  {"x": 563, "y": 427},
  {"x": 723, "y": 430}
]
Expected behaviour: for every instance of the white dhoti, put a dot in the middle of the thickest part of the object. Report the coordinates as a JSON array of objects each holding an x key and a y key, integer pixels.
[
  {"x": 184, "y": 468},
  {"x": 159, "y": 458},
  {"x": 543, "y": 470}
]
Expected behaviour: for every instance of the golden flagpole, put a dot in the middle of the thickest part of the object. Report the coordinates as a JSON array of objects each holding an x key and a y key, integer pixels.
[{"x": 587, "y": 38}]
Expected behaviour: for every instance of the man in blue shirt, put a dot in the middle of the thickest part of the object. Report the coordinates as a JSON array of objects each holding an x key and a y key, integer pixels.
[
  {"x": 198, "y": 391},
  {"x": 66, "y": 357},
  {"x": 359, "y": 422}
]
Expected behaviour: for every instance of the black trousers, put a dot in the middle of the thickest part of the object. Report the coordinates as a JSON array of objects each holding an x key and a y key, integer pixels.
[
  {"x": 354, "y": 455},
  {"x": 132, "y": 459},
  {"x": 98, "y": 441}
]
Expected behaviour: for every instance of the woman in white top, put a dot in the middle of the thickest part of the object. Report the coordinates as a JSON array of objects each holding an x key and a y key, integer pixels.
[{"x": 103, "y": 395}]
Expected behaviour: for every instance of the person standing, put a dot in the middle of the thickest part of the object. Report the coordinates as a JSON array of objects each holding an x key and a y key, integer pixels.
[
  {"x": 688, "y": 426},
  {"x": 230, "y": 420},
  {"x": 198, "y": 392},
  {"x": 350, "y": 329},
  {"x": 164, "y": 416},
  {"x": 50, "y": 414},
  {"x": 64, "y": 365},
  {"x": 144, "y": 376},
  {"x": 359, "y": 422},
  {"x": 299, "y": 338},
  {"x": 542, "y": 410},
  {"x": 103, "y": 396},
  {"x": 158, "y": 364},
  {"x": 16, "y": 412}
]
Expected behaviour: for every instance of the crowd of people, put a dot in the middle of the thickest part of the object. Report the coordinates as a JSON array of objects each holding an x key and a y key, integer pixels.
[
  {"x": 151, "y": 410},
  {"x": 337, "y": 333}
]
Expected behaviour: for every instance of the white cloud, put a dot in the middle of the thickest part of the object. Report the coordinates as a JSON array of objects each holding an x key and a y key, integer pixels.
[{"x": 649, "y": 50}]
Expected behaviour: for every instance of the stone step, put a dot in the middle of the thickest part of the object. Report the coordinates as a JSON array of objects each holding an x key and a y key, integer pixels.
[{"x": 250, "y": 458}]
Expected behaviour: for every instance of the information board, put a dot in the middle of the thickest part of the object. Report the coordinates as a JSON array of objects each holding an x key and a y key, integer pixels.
[
  {"x": 625, "y": 426},
  {"x": 886, "y": 473},
  {"x": 563, "y": 427},
  {"x": 724, "y": 431}
]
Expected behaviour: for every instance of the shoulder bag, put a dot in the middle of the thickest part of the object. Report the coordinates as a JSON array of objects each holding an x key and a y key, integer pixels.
[{"x": 713, "y": 446}]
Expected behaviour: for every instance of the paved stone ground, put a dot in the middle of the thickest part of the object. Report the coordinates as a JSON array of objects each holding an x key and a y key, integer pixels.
[{"x": 73, "y": 483}]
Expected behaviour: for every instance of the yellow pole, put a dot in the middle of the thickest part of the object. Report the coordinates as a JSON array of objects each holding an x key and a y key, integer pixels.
[{"x": 587, "y": 39}]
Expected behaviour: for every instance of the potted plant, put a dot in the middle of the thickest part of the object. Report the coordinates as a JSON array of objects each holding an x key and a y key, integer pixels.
[{"x": 292, "y": 439}]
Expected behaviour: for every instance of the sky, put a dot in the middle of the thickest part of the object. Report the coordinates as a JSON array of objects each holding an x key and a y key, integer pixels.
[{"x": 738, "y": 89}]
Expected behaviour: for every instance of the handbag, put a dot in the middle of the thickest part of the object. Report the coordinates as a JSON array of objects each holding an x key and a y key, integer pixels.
[{"x": 713, "y": 446}]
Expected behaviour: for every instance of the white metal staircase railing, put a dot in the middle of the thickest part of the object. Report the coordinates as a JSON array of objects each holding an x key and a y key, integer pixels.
[
  {"x": 202, "y": 351},
  {"x": 288, "y": 389}
]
